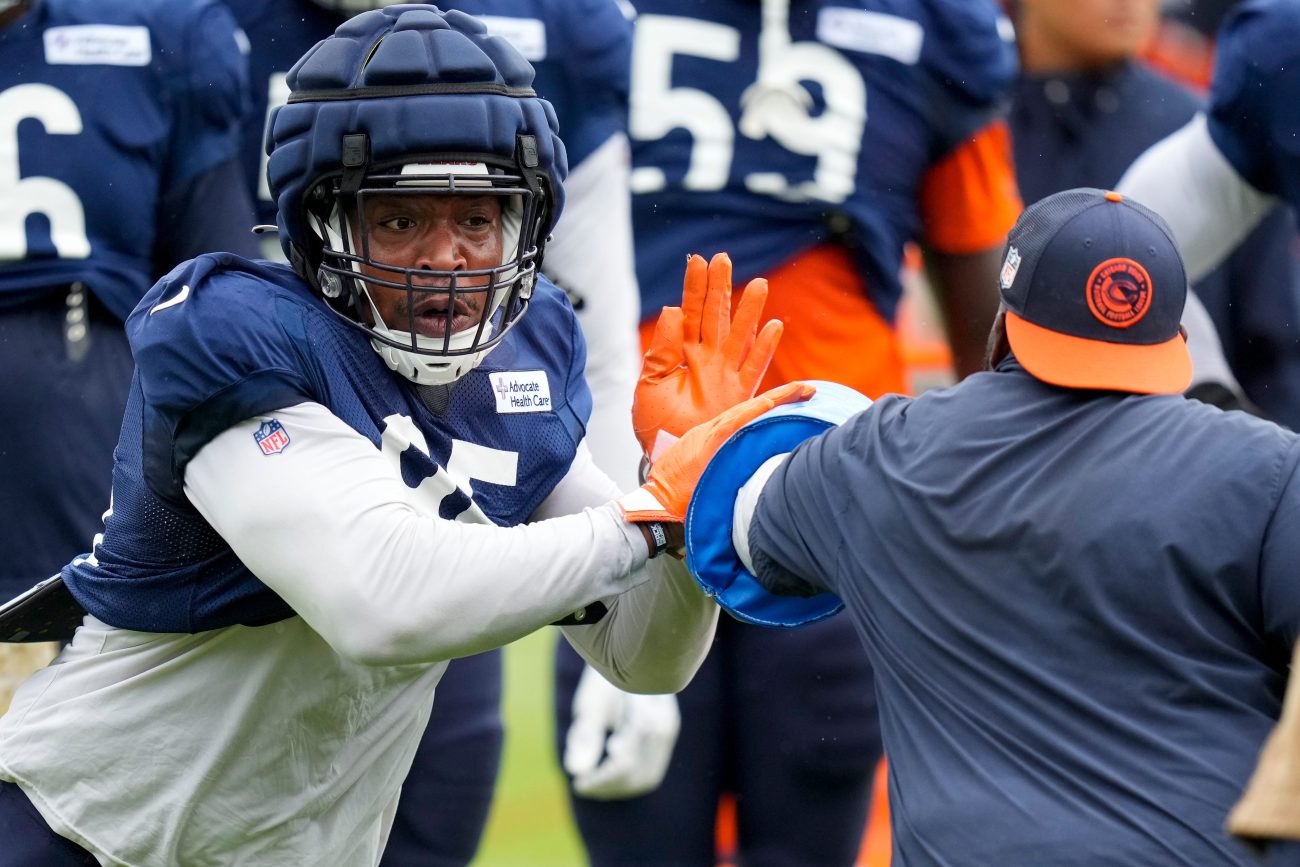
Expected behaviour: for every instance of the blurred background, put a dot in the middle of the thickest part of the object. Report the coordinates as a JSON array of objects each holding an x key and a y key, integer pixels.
[{"x": 530, "y": 824}]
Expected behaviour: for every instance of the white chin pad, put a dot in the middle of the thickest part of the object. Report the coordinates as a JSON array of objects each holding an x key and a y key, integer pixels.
[{"x": 427, "y": 369}]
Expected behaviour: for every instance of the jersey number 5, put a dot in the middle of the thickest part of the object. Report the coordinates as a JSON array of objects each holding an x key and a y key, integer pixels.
[
  {"x": 468, "y": 462},
  {"x": 776, "y": 105},
  {"x": 21, "y": 197}
]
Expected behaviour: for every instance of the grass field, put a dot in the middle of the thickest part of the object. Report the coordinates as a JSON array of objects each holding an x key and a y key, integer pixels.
[{"x": 530, "y": 824}]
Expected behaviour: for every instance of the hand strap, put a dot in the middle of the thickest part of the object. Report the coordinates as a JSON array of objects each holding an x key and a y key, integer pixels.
[{"x": 660, "y": 536}]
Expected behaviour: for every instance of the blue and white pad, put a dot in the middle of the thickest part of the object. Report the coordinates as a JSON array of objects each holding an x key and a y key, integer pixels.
[{"x": 710, "y": 554}]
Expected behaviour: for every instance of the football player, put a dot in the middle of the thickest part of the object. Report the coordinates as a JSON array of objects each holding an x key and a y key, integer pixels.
[
  {"x": 811, "y": 140},
  {"x": 321, "y": 486},
  {"x": 581, "y": 52},
  {"x": 118, "y": 159},
  {"x": 1222, "y": 173},
  {"x": 1085, "y": 107},
  {"x": 1213, "y": 181}
]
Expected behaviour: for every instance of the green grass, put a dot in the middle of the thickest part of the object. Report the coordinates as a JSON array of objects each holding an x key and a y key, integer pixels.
[{"x": 530, "y": 824}]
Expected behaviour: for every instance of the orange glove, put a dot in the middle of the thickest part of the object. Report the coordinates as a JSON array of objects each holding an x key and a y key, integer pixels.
[
  {"x": 667, "y": 492},
  {"x": 701, "y": 361}
]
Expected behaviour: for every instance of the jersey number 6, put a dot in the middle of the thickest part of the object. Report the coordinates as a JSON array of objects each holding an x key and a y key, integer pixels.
[{"x": 21, "y": 197}]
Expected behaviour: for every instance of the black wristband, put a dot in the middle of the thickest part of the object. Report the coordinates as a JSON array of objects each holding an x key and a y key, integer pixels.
[{"x": 660, "y": 536}]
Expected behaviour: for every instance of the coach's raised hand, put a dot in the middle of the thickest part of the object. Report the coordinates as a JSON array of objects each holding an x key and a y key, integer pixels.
[
  {"x": 667, "y": 491},
  {"x": 701, "y": 360}
]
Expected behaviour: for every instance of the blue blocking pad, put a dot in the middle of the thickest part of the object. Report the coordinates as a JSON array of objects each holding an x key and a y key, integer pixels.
[{"x": 710, "y": 555}]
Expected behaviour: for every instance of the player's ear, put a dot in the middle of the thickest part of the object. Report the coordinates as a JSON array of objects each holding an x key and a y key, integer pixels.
[{"x": 998, "y": 345}]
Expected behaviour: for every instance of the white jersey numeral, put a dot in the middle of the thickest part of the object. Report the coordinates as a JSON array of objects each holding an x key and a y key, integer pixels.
[
  {"x": 778, "y": 105},
  {"x": 469, "y": 462},
  {"x": 21, "y": 197},
  {"x": 99, "y": 537},
  {"x": 657, "y": 107}
]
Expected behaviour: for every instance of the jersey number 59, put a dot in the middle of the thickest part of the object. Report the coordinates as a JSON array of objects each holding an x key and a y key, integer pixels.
[{"x": 777, "y": 106}]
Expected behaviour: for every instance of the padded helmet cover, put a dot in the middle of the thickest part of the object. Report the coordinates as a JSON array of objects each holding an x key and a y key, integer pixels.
[{"x": 419, "y": 83}]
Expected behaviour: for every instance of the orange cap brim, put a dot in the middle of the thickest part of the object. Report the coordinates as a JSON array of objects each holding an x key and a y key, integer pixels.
[{"x": 1075, "y": 362}]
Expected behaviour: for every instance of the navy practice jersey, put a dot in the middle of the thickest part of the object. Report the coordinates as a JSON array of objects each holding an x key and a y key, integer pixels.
[
  {"x": 756, "y": 136},
  {"x": 579, "y": 48},
  {"x": 1254, "y": 114},
  {"x": 222, "y": 339},
  {"x": 106, "y": 108}
]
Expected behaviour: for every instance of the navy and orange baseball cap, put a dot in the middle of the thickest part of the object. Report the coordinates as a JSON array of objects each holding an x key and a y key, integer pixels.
[{"x": 1094, "y": 289}]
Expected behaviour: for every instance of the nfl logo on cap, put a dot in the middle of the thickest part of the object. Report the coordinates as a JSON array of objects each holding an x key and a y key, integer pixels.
[
  {"x": 1009, "y": 268},
  {"x": 271, "y": 437}
]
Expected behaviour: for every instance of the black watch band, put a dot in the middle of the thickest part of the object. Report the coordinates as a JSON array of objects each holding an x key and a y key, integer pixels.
[{"x": 660, "y": 536}]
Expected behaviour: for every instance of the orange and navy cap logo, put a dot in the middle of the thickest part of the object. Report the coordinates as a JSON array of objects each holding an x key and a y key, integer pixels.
[{"x": 1119, "y": 292}]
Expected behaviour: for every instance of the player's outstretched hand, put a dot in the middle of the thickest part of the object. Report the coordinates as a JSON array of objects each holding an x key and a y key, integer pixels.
[
  {"x": 667, "y": 491},
  {"x": 701, "y": 360}
]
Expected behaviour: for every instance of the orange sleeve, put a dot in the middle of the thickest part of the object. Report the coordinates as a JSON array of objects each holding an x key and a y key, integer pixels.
[{"x": 969, "y": 199}]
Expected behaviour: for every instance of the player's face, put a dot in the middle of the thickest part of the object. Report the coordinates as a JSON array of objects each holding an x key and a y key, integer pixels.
[
  {"x": 432, "y": 233},
  {"x": 1083, "y": 34}
]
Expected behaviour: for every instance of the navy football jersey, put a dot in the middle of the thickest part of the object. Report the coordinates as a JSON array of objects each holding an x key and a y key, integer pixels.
[
  {"x": 105, "y": 107},
  {"x": 755, "y": 135},
  {"x": 579, "y": 48},
  {"x": 222, "y": 339},
  {"x": 1254, "y": 114}
]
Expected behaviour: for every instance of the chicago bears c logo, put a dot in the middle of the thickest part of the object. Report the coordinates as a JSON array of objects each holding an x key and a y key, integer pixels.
[{"x": 1119, "y": 292}]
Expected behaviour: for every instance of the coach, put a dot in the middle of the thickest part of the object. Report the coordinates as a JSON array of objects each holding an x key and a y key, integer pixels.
[{"x": 1080, "y": 590}]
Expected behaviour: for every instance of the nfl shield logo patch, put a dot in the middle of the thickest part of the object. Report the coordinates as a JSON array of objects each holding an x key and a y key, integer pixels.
[
  {"x": 1009, "y": 268},
  {"x": 271, "y": 437}
]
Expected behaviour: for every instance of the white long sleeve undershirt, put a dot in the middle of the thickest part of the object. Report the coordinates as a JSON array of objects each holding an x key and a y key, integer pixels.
[
  {"x": 742, "y": 515},
  {"x": 329, "y": 526},
  {"x": 1210, "y": 208}
]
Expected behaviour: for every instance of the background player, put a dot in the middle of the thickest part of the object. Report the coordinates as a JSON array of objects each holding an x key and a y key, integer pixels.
[
  {"x": 1241, "y": 152},
  {"x": 812, "y": 141},
  {"x": 1213, "y": 181},
  {"x": 580, "y": 52},
  {"x": 118, "y": 158},
  {"x": 1085, "y": 108}
]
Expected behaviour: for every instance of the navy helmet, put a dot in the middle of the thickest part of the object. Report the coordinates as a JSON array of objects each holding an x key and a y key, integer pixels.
[{"x": 409, "y": 99}]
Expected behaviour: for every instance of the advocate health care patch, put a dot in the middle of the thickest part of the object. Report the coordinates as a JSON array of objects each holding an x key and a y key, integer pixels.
[{"x": 521, "y": 391}]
